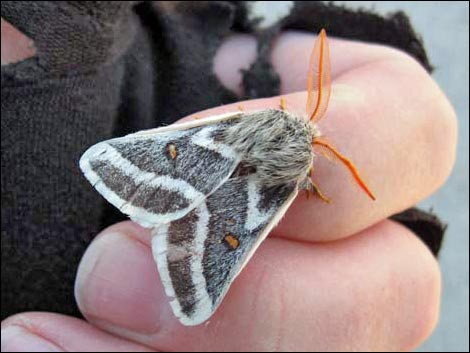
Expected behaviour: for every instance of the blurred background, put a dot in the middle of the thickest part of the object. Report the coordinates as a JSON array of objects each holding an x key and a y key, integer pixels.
[{"x": 444, "y": 27}]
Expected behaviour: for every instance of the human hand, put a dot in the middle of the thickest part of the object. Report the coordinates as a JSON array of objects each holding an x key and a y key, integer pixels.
[{"x": 375, "y": 288}]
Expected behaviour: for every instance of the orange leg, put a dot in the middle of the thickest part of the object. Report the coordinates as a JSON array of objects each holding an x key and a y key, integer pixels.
[
  {"x": 282, "y": 104},
  {"x": 352, "y": 168},
  {"x": 315, "y": 190},
  {"x": 321, "y": 195}
]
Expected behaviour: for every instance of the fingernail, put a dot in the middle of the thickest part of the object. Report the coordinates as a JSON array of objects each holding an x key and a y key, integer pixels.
[
  {"x": 19, "y": 339},
  {"x": 118, "y": 283}
]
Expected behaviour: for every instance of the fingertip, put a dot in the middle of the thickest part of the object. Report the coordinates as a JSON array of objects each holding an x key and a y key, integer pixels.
[
  {"x": 15, "y": 45},
  {"x": 229, "y": 67},
  {"x": 106, "y": 277},
  {"x": 103, "y": 241}
]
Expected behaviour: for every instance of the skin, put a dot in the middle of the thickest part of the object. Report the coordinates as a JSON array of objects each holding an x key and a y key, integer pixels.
[{"x": 330, "y": 277}]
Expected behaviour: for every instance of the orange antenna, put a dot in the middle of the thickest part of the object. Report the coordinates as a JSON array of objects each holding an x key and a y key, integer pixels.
[
  {"x": 319, "y": 78},
  {"x": 352, "y": 168}
]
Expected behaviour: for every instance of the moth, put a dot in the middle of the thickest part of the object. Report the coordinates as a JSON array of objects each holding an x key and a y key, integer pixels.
[{"x": 212, "y": 189}]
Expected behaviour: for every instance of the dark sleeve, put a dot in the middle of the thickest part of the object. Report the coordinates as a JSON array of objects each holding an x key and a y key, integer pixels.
[{"x": 109, "y": 68}]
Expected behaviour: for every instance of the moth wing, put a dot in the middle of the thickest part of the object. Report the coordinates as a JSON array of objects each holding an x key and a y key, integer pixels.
[
  {"x": 319, "y": 79},
  {"x": 199, "y": 255},
  {"x": 160, "y": 175}
]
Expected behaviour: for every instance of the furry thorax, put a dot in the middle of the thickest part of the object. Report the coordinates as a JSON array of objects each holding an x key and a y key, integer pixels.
[{"x": 274, "y": 144}]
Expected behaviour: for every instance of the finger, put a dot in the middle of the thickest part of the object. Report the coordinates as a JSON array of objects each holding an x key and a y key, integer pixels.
[
  {"x": 15, "y": 45},
  {"x": 47, "y": 332},
  {"x": 290, "y": 58},
  {"x": 378, "y": 290},
  {"x": 386, "y": 114}
]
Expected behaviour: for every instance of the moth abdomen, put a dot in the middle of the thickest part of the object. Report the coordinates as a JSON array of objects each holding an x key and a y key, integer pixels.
[{"x": 275, "y": 146}]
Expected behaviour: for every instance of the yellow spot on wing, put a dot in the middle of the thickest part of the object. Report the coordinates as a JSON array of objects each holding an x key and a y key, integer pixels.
[
  {"x": 232, "y": 241},
  {"x": 172, "y": 150}
]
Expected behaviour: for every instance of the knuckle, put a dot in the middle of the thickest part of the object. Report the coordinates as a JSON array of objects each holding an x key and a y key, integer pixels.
[
  {"x": 436, "y": 120},
  {"x": 24, "y": 320},
  {"x": 439, "y": 129}
]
